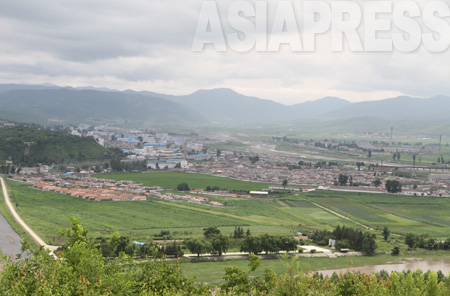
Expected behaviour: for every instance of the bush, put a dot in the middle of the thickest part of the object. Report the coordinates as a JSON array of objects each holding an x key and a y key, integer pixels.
[
  {"x": 395, "y": 251},
  {"x": 312, "y": 251},
  {"x": 183, "y": 187}
]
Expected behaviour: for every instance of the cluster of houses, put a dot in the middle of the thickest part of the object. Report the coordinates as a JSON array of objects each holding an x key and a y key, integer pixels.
[
  {"x": 160, "y": 150},
  {"x": 108, "y": 190}
]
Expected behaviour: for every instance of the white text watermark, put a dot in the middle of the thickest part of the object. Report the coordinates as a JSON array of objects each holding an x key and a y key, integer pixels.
[{"x": 373, "y": 26}]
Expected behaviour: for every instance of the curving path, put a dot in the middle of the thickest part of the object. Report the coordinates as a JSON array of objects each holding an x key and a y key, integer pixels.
[{"x": 22, "y": 223}]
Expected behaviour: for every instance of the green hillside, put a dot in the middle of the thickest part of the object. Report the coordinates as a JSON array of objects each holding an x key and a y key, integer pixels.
[
  {"x": 73, "y": 106},
  {"x": 46, "y": 147}
]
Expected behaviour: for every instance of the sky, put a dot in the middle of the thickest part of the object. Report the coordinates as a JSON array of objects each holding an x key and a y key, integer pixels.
[{"x": 147, "y": 45}]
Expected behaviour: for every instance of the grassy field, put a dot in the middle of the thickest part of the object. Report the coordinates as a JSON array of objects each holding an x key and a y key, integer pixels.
[
  {"x": 402, "y": 214},
  {"x": 48, "y": 211},
  {"x": 4, "y": 211},
  {"x": 170, "y": 180}
]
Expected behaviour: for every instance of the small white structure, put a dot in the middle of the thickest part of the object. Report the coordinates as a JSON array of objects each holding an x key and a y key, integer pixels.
[{"x": 259, "y": 193}]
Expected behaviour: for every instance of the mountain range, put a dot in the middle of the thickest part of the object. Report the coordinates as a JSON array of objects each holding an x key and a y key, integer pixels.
[{"x": 41, "y": 103}]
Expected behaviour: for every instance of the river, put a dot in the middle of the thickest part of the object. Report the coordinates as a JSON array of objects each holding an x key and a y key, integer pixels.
[
  {"x": 9, "y": 240},
  {"x": 443, "y": 266}
]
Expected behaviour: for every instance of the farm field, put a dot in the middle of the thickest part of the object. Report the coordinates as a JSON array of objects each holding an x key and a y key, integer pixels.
[
  {"x": 47, "y": 212},
  {"x": 170, "y": 180},
  {"x": 401, "y": 213}
]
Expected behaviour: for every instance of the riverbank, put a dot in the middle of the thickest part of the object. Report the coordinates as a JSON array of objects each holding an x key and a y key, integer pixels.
[{"x": 212, "y": 272}]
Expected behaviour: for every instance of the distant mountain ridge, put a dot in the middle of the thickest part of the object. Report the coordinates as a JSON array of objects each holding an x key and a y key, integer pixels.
[
  {"x": 68, "y": 105},
  {"x": 217, "y": 106}
]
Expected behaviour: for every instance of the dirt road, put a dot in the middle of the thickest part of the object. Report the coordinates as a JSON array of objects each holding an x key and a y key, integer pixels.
[{"x": 21, "y": 222}]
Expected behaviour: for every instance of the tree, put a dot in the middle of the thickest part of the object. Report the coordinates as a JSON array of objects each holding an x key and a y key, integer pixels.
[
  {"x": 369, "y": 244},
  {"x": 238, "y": 232},
  {"x": 395, "y": 251},
  {"x": 269, "y": 244},
  {"x": 342, "y": 179},
  {"x": 393, "y": 186},
  {"x": 288, "y": 243},
  {"x": 210, "y": 232},
  {"x": 183, "y": 187},
  {"x": 411, "y": 240},
  {"x": 386, "y": 233},
  {"x": 359, "y": 165},
  {"x": 369, "y": 154},
  {"x": 252, "y": 245},
  {"x": 414, "y": 160},
  {"x": 285, "y": 182},
  {"x": 219, "y": 244},
  {"x": 219, "y": 152},
  {"x": 377, "y": 183},
  {"x": 198, "y": 246}
]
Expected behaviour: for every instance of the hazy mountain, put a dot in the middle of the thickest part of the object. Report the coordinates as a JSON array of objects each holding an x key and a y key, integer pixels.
[
  {"x": 7, "y": 87},
  {"x": 86, "y": 105},
  {"x": 225, "y": 106},
  {"x": 319, "y": 108},
  {"x": 216, "y": 106},
  {"x": 400, "y": 108}
]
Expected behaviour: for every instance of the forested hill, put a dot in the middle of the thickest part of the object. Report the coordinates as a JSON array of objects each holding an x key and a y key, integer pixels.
[{"x": 28, "y": 146}]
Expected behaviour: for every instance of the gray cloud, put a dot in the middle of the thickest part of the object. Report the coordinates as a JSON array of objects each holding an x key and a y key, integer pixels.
[{"x": 147, "y": 45}]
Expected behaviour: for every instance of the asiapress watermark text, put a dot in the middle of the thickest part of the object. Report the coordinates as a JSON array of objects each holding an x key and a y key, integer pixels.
[{"x": 407, "y": 25}]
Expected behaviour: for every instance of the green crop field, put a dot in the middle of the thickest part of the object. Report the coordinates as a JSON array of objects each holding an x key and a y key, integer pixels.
[
  {"x": 402, "y": 214},
  {"x": 170, "y": 180},
  {"x": 48, "y": 211}
]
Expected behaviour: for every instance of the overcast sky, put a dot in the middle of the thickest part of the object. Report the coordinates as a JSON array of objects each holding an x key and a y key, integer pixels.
[{"x": 146, "y": 45}]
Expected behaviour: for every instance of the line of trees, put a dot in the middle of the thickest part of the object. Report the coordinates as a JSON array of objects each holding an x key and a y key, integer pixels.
[
  {"x": 268, "y": 244},
  {"x": 421, "y": 241},
  {"x": 347, "y": 237},
  {"x": 118, "y": 244},
  {"x": 239, "y": 232},
  {"x": 214, "y": 241}
]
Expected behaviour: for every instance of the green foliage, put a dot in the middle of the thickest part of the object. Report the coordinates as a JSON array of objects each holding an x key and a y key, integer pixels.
[
  {"x": 393, "y": 186},
  {"x": 254, "y": 159},
  {"x": 219, "y": 244},
  {"x": 198, "y": 246},
  {"x": 348, "y": 237},
  {"x": 183, "y": 187},
  {"x": 47, "y": 147},
  {"x": 81, "y": 270},
  {"x": 252, "y": 245},
  {"x": 395, "y": 251},
  {"x": 210, "y": 232},
  {"x": 386, "y": 233},
  {"x": 342, "y": 179},
  {"x": 377, "y": 182}
]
